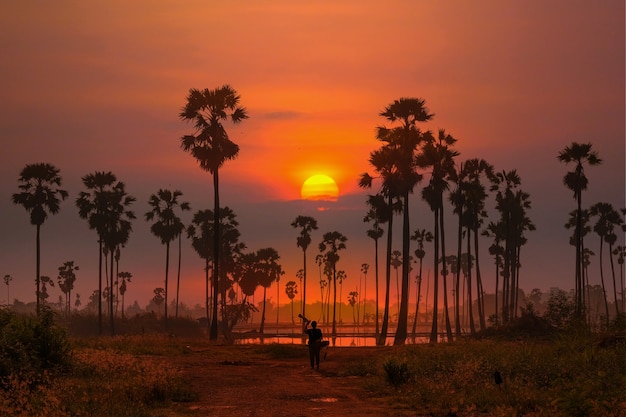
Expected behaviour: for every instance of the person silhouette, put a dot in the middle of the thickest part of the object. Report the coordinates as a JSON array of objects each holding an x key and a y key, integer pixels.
[{"x": 315, "y": 344}]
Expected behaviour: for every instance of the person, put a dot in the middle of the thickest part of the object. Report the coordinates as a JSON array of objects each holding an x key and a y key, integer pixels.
[{"x": 315, "y": 343}]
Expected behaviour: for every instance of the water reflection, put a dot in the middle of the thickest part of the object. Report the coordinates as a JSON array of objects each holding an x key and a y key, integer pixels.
[{"x": 344, "y": 339}]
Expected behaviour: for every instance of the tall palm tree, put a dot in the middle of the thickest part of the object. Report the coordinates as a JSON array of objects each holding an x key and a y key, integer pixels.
[
  {"x": 404, "y": 141},
  {"x": 66, "y": 279},
  {"x": 495, "y": 230},
  {"x": 167, "y": 227},
  {"x": 117, "y": 228},
  {"x": 607, "y": 219},
  {"x": 104, "y": 206},
  {"x": 211, "y": 146},
  {"x": 39, "y": 195},
  {"x": 331, "y": 244},
  {"x": 291, "y": 289},
  {"x": 306, "y": 224},
  {"x": 473, "y": 198},
  {"x": 375, "y": 233},
  {"x": 438, "y": 155},
  {"x": 420, "y": 236},
  {"x": 580, "y": 154},
  {"x": 270, "y": 271},
  {"x": 512, "y": 204}
]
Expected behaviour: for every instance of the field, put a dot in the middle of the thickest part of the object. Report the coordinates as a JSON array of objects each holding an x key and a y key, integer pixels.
[{"x": 161, "y": 375}]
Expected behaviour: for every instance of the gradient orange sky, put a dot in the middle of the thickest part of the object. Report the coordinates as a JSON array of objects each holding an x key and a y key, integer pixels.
[{"x": 93, "y": 86}]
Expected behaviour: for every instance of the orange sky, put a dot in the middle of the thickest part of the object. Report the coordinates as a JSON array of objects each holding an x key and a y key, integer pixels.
[{"x": 98, "y": 86}]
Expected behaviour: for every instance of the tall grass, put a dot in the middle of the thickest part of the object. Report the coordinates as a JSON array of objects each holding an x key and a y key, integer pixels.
[{"x": 570, "y": 376}]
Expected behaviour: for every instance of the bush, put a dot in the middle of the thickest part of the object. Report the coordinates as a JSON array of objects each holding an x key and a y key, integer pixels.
[
  {"x": 32, "y": 344},
  {"x": 397, "y": 372}
]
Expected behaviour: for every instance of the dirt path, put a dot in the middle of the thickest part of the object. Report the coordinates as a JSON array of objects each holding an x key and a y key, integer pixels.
[{"x": 241, "y": 383}]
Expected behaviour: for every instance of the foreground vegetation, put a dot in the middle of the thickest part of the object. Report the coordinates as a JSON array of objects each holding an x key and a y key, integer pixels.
[{"x": 534, "y": 372}]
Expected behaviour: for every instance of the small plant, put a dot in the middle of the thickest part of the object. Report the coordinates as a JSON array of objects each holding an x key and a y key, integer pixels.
[{"x": 397, "y": 372}]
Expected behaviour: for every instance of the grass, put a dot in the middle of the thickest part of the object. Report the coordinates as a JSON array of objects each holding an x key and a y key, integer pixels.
[
  {"x": 573, "y": 374},
  {"x": 564, "y": 377}
]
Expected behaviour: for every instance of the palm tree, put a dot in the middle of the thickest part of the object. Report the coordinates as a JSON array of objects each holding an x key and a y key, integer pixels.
[
  {"x": 307, "y": 224},
  {"x": 331, "y": 244},
  {"x": 211, "y": 146},
  {"x": 7, "y": 281},
  {"x": 66, "y": 279},
  {"x": 104, "y": 206},
  {"x": 512, "y": 203},
  {"x": 39, "y": 195},
  {"x": 375, "y": 233},
  {"x": 438, "y": 155},
  {"x": 291, "y": 289},
  {"x": 396, "y": 261},
  {"x": 126, "y": 277},
  {"x": 474, "y": 171},
  {"x": 578, "y": 154},
  {"x": 270, "y": 271},
  {"x": 420, "y": 236},
  {"x": 607, "y": 219},
  {"x": 167, "y": 227},
  {"x": 496, "y": 232},
  {"x": 403, "y": 140},
  {"x": 200, "y": 233},
  {"x": 364, "y": 269},
  {"x": 341, "y": 276}
]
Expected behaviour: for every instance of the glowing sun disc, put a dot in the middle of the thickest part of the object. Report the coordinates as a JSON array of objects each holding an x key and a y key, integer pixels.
[{"x": 319, "y": 187}]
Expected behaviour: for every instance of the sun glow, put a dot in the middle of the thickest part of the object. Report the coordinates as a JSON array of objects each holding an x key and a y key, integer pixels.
[{"x": 319, "y": 187}]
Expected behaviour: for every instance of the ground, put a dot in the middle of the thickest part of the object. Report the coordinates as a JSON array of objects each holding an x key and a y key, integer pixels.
[{"x": 262, "y": 385}]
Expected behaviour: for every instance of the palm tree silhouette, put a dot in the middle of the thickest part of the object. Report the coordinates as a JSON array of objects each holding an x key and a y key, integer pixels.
[
  {"x": 404, "y": 140},
  {"x": 306, "y": 224},
  {"x": 269, "y": 271},
  {"x": 291, "y": 289},
  {"x": 439, "y": 157},
  {"x": 39, "y": 195},
  {"x": 331, "y": 244},
  {"x": 420, "y": 236},
  {"x": 607, "y": 219},
  {"x": 579, "y": 154},
  {"x": 211, "y": 146},
  {"x": 375, "y": 233},
  {"x": 512, "y": 204},
  {"x": 104, "y": 206},
  {"x": 167, "y": 227}
]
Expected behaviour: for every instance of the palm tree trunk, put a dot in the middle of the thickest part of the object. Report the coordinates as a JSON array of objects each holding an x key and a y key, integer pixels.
[
  {"x": 382, "y": 338},
  {"x": 479, "y": 284},
  {"x": 417, "y": 301},
  {"x": 459, "y": 253},
  {"x": 376, "y": 263},
  {"x": 167, "y": 272},
  {"x": 403, "y": 313},
  {"x": 334, "y": 300},
  {"x": 180, "y": 251},
  {"x": 100, "y": 286},
  {"x": 111, "y": 296},
  {"x": 606, "y": 303},
  {"x": 304, "y": 287},
  {"x": 37, "y": 267},
  {"x": 469, "y": 282},
  {"x": 614, "y": 280},
  {"x": 435, "y": 325},
  {"x": 445, "y": 275},
  {"x": 216, "y": 254}
]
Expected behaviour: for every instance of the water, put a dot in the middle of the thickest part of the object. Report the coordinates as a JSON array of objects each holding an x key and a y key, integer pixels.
[{"x": 347, "y": 336}]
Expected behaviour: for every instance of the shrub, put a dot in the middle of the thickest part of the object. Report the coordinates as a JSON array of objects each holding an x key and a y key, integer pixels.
[
  {"x": 397, "y": 372},
  {"x": 32, "y": 344}
]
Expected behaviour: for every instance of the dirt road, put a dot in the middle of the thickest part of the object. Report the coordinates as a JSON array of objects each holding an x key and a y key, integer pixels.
[{"x": 238, "y": 381}]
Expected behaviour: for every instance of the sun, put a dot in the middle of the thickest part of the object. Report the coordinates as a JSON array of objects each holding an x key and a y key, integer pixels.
[{"x": 319, "y": 187}]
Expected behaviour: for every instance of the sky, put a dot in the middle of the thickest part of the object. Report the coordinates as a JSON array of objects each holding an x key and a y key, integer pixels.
[{"x": 98, "y": 86}]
